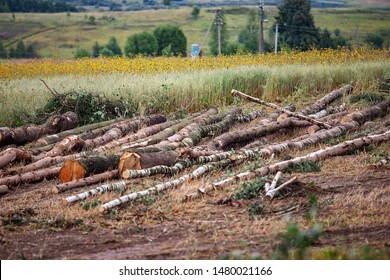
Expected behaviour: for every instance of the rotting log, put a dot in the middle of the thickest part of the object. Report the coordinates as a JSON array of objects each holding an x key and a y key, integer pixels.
[
  {"x": 108, "y": 175},
  {"x": 326, "y": 100},
  {"x": 85, "y": 166},
  {"x": 3, "y": 189},
  {"x": 137, "y": 161},
  {"x": 29, "y": 133},
  {"x": 119, "y": 130},
  {"x": 316, "y": 156},
  {"x": 271, "y": 105},
  {"x": 11, "y": 154},
  {"x": 30, "y": 177}
]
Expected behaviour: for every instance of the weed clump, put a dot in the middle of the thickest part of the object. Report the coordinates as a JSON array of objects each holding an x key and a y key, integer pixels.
[{"x": 367, "y": 98}]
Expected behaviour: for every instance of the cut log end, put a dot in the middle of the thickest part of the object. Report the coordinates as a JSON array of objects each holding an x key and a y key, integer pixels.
[
  {"x": 129, "y": 161},
  {"x": 72, "y": 170},
  {"x": 126, "y": 174},
  {"x": 64, "y": 201},
  {"x": 282, "y": 117},
  {"x": 4, "y": 189},
  {"x": 346, "y": 119},
  {"x": 55, "y": 190},
  {"x": 102, "y": 209}
]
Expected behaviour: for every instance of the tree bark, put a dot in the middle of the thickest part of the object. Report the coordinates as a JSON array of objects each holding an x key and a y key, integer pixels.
[
  {"x": 86, "y": 181},
  {"x": 326, "y": 100},
  {"x": 30, "y": 177},
  {"x": 293, "y": 114},
  {"x": 29, "y": 133},
  {"x": 3, "y": 190},
  {"x": 137, "y": 161},
  {"x": 11, "y": 154},
  {"x": 119, "y": 130},
  {"x": 84, "y": 167},
  {"x": 65, "y": 146},
  {"x": 316, "y": 156},
  {"x": 249, "y": 134},
  {"x": 378, "y": 110}
]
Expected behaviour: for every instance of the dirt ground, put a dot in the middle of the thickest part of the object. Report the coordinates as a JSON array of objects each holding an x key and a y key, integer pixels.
[{"x": 353, "y": 207}]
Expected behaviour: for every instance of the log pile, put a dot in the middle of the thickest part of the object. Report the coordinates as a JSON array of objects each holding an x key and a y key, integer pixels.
[{"x": 108, "y": 156}]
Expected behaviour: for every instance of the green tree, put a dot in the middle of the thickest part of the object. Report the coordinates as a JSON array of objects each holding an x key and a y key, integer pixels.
[
  {"x": 213, "y": 44},
  {"x": 326, "y": 40},
  {"x": 3, "y": 51},
  {"x": 113, "y": 46},
  {"x": 374, "y": 40},
  {"x": 20, "y": 51},
  {"x": 141, "y": 43},
  {"x": 171, "y": 35},
  {"x": 338, "y": 40},
  {"x": 167, "y": 3},
  {"x": 106, "y": 52},
  {"x": 81, "y": 53},
  {"x": 249, "y": 36},
  {"x": 296, "y": 25},
  {"x": 96, "y": 49},
  {"x": 195, "y": 12},
  {"x": 11, "y": 52}
]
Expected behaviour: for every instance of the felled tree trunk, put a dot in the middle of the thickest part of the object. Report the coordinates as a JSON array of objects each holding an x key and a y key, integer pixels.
[
  {"x": 65, "y": 146},
  {"x": 316, "y": 156},
  {"x": 85, "y": 181},
  {"x": 9, "y": 155},
  {"x": 142, "y": 133},
  {"x": 378, "y": 110},
  {"x": 83, "y": 167},
  {"x": 30, "y": 177},
  {"x": 326, "y": 100},
  {"x": 54, "y": 138},
  {"x": 245, "y": 135},
  {"x": 121, "y": 129},
  {"x": 130, "y": 160},
  {"x": 3, "y": 190},
  {"x": 29, "y": 133},
  {"x": 271, "y": 105}
]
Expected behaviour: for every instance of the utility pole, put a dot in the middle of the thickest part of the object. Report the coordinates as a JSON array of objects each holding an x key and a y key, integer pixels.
[
  {"x": 276, "y": 38},
  {"x": 357, "y": 36},
  {"x": 219, "y": 25},
  {"x": 261, "y": 29}
]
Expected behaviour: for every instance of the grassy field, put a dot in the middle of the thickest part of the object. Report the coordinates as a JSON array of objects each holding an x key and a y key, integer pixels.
[{"x": 59, "y": 35}]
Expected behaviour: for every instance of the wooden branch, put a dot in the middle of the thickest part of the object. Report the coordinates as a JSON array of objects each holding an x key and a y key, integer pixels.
[
  {"x": 275, "y": 180},
  {"x": 272, "y": 192},
  {"x": 53, "y": 92},
  {"x": 271, "y": 105},
  {"x": 85, "y": 181}
]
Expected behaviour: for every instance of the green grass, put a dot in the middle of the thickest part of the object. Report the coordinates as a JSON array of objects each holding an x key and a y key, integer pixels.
[
  {"x": 73, "y": 31},
  {"x": 191, "y": 91}
]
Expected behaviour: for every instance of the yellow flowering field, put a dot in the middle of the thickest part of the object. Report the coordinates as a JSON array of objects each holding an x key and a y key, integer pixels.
[{"x": 147, "y": 65}]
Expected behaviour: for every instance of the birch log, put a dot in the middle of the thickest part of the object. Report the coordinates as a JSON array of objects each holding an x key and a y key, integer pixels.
[{"x": 271, "y": 105}]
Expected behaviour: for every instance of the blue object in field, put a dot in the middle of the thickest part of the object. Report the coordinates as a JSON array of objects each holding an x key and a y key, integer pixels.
[{"x": 194, "y": 50}]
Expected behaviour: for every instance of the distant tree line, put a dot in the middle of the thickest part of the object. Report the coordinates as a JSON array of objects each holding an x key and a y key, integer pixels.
[
  {"x": 165, "y": 40},
  {"x": 34, "y": 6},
  {"x": 20, "y": 51}
]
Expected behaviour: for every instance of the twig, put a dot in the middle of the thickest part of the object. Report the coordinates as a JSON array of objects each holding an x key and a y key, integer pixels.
[
  {"x": 271, "y": 192},
  {"x": 54, "y": 92}
]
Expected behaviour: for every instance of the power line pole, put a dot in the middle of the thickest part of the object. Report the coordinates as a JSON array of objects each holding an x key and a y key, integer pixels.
[
  {"x": 219, "y": 25},
  {"x": 261, "y": 29},
  {"x": 276, "y": 38}
]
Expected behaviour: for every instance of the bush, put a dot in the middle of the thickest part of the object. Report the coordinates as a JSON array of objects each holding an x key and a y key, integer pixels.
[
  {"x": 171, "y": 35},
  {"x": 141, "y": 43},
  {"x": 81, "y": 53}
]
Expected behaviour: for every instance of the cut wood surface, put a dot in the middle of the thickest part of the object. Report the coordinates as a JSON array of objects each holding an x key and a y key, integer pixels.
[{"x": 85, "y": 166}]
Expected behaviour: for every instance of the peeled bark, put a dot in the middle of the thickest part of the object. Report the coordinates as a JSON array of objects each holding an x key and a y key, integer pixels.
[
  {"x": 326, "y": 100},
  {"x": 30, "y": 177},
  {"x": 29, "y": 133},
  {"x": 65, "y": 146},
  {"x": 9, "y": 155},
  {"x": 86, "y": 181},
  {"x": 84, "y": 167},
  {"x": 130, "y": 161},
  {"x": 268, "y": 104}
]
